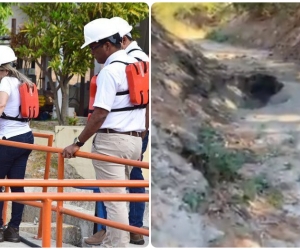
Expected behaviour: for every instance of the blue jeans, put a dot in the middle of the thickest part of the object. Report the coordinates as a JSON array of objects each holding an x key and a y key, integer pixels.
[
  {"x": 137, "y": 209},
  {"x": 13, "y": 165}
]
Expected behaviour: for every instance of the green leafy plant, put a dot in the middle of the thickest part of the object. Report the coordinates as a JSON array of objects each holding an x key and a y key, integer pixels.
[
  {"x": 216, "y": 162},
  {"x": 254, "y": 186},
  {"x": 275, "y": 198},
  {"x": 54, "y": 32},
  {"x": 217, "y": 36},
  {"x": 193, "y": 199},
  {"x": 265, "y": 9},
  {"x": 5, "y": 12},
  {"x": 260, "y": 186},
  {"x": 72, "y": 121}
]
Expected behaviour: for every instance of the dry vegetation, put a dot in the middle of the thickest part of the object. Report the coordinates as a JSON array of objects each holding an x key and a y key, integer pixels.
[{"x": 37, "y": 159}]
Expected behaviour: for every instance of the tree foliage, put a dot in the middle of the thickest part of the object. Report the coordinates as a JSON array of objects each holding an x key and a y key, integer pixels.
[
  {"x": 55, "y": 31},
  {"x": 265, "y": 9},
  {"x": 132, "y": 12},
  {"x": 5, "y": 12}
]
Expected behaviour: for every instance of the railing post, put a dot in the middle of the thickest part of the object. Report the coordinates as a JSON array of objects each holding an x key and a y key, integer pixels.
[
  {"x": 4, "y": 212},
  {"x": 45, "y": 219},
  {"x": 46, "y": 177},
  {"x": 46, "y": 239},
  {"x": 59, "y": 215}
]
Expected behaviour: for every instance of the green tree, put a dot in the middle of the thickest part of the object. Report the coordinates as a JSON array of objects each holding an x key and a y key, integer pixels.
[
  {"x": 55, "y": 31},
  {"x": 5, "y": 12}
]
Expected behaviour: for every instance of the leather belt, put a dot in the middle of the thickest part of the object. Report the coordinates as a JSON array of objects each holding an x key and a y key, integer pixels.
[{"x": 108, "y": 130}]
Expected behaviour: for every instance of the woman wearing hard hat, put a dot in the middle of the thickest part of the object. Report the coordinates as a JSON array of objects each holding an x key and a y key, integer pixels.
[
  {"x": 13, "y": 160},
  {"x": 118, "y": 133}
]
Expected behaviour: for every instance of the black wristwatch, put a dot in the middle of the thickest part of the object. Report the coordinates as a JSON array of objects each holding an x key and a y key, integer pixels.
[{"x": 78, "y": 143}]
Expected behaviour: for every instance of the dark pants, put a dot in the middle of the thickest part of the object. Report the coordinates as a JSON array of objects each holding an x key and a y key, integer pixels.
[
  {"x": 13, "y": 165},
  {"x": 137, "y": 209}
]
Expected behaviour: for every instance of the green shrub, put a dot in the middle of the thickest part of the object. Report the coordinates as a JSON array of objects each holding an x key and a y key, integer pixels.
[
  {"x": 211, "y": 156},
  {"x": 72, "y": 121},
  {"x": 217, "y": 36}
]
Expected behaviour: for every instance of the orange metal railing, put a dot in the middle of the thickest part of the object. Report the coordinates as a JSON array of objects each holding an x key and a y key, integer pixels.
[
  {"x": 47, "y": 198},
  {"x": 46, "y": 173},
  {"x": 49, "y": 137},
  {"x": 87, "y": 155}
]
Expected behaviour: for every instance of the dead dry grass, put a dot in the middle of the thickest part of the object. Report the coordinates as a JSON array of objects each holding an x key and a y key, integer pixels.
[
  {"x": 44, "y": 125},
  {"x": 36, "y": 165},
  {"x": 165, "y": 14},
  {"x": 37, "y": 160}
]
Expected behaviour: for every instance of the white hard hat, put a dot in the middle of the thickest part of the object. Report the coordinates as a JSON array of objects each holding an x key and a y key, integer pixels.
[
  {"x": 123, "y": 26},
  {"x": 98, "y": 29},
  {"x": 7, "y": 55}
]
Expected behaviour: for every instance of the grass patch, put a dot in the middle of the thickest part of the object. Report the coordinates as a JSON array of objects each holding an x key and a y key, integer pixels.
[
  {"x": 259, "y": 186},
  {"x": 193, "y": 200},
  {"x": 191, "y": 20},
  {"x": 218, "y": 36},
  {"x": 165, "y": 14},
  {"x": 44, "y": 125},
  {"x": 275, "y": 198},
  {"x": 211, "y": 156},
  {"x": 37, "y": 162},
  {"x": 266, "y": 10},
  {"x": 253, "y": 187}
]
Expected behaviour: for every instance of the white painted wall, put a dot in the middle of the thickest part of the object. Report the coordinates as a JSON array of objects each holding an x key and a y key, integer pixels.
[{"x": 20, "y": 16}]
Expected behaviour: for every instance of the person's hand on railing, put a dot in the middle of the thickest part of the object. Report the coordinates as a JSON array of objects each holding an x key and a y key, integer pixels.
[{"x": 69, "y": 151}]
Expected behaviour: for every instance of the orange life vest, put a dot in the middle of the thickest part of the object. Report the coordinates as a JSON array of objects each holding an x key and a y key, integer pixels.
[
  {"x": 93, "y": 89},
  {"x": 138, "y": 86},
  {"x": 29, "y": 107}
]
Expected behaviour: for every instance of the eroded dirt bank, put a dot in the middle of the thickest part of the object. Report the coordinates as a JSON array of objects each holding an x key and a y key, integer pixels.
[{"x": 252, "y": 102}]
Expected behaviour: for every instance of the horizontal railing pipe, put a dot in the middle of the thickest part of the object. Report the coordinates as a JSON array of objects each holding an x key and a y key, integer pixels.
[
  {"x": 72, "y": 183},
  {"x": 99, "y": 157},
  {"x": 106, "y": 222},
  {"x": 91, "y": 218},
  {"x": 36, "y": 204},
  {"x": 74, "y": 197},
  {"x": 47, "y": 198}
]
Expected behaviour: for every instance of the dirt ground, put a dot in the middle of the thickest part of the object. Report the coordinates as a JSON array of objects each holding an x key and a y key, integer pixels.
[
  {"x": 37, "y": 159},
  {"x": 279, "y": 33},
  {"x": 271, "y": 130}
]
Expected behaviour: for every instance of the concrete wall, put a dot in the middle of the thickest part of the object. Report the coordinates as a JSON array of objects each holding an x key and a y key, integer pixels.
[
  {"x": 20, "y": 17},
  {"x": 64, "y": 136}
]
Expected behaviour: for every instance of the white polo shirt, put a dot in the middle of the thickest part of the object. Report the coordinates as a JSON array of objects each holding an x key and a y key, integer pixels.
[
  {"x": 9, "y": 128},
  {"x": 112, "y": 79},
  {"x": 136, "y": 53}
]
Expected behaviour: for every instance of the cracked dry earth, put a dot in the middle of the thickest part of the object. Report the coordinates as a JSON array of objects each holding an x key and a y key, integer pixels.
[{"x": 272, "y": 131}]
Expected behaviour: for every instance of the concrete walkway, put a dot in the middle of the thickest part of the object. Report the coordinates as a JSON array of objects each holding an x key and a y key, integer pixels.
[{"x": 30, "y": 237}]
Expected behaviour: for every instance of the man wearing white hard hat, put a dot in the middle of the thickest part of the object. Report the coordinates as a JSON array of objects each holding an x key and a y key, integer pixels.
[
  {"x": 136, "y": 209},
  {"x": 128, "y": 44},
  {"x": 118, "y": 133}
]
